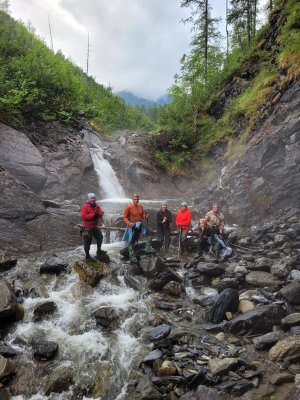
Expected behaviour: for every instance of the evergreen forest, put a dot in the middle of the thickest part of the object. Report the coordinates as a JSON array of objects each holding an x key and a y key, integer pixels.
[{"x": 223, "y": 89}]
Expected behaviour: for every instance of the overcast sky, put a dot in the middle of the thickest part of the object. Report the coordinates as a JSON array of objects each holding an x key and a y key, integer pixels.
[{"x": 135, "y": 45}]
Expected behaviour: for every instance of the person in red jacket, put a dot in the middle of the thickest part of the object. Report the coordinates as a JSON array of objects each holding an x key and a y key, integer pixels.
[
  {"x": 90, "y": 213},
  {"x": 183, "y": 222}
]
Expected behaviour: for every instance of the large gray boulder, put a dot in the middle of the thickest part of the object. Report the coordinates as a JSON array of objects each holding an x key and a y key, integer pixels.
[
  {"x": 259, "y": 320},
  {"x": 21, "y": 158},
  {"x": 8, "y": 302}
]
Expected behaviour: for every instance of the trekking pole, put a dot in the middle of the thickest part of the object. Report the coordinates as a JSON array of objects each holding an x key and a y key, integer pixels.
[{"x": 179, "y": 242}]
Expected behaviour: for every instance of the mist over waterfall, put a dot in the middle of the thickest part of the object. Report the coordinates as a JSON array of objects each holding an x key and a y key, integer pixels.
[{"x": 108, "y": 180}]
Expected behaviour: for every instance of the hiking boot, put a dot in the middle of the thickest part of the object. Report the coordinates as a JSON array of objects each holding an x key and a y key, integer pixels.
[
  {"x": 89, "y": 258},
  {"x": 99, "y": 252}
]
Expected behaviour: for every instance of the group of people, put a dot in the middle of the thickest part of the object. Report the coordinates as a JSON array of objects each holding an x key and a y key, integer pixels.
[{"x": 211, "y": 227}]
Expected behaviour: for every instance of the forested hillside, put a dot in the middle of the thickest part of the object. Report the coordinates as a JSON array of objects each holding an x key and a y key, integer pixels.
[
  {"x": 226, "y": 86},
  {"x": 37, "y": 84}
]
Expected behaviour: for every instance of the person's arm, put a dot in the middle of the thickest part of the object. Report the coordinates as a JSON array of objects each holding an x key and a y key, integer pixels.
[
  {"x": 222, "y": 223},
  {"x": 126, "y": 216},
  {"x": 99, "y": 211},
  {"x": 86, "y": 215}
]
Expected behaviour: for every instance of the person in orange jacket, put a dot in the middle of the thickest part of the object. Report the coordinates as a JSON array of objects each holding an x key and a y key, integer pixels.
[{"x": 183, "y": 222}]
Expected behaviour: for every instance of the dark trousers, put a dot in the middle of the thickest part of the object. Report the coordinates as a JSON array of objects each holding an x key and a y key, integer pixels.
[
  {"x": 88, "y": 235},
  {"x": 203, "y": 244},
  {"x": 164, "y": 236}
]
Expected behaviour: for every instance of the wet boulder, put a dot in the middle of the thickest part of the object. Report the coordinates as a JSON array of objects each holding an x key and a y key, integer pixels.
[
  {"x": 163, "y": 278},
  {"x": 53, "y": 265},
  {"x": 151, "y": 266},
  {"x": 211, "y": 269},
  {"x": 81, "y": 289},
  {"x": 7, "y": 351},
  {"x": 145, "y": 390},
  {"x": 7, "y": 367},
  {"x": 291, "y": 292},
  {"x": 44, "y": 350},
  {"x": 227, "y": 301},
  {"x": 159, "y": 332},
  {"x": 91, "y": 272},
  {"x": 8, "y": 302},
  {"x": 173, "y": 288},
  {"x": 107, "y": 317},
  {"x": 58, "y": 381},
  {"x": 44, "y": 310},
  {"x": 259, "y": 320},
  {"x": 286, "y": 347},
  {"x": 281, "y": 268},
  {"x": 7, "y": 262}
]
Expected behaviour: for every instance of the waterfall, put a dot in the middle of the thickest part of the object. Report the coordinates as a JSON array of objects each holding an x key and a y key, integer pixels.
[{"x": 107, "y": 177}]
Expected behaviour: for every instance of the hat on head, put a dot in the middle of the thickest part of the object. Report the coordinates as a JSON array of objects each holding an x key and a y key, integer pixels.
[
  {"x": 184, "y": 203},
  {"x": 91, "y": 195},
  {"x": 164, "y": 203}
]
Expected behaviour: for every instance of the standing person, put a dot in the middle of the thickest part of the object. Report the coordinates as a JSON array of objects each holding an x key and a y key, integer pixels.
[
  {"x": 163, "y": 222},
  {"x": 134, "y": 216},
  {"x": 217, "y": 221},
  {"x": 90, "y": 213},
  {"x": 183, "y": 222},
  {"x": 205, "y": 240}
]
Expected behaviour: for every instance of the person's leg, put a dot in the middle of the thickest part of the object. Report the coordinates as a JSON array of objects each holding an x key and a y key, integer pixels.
[
  {"x": 87, "y": 240},
  {"x": 183, "y": 241},
  {"x": 167, "y": 238},
  {"x": 160, "y": 236},
  {"x": 219, "y": 241},
  {"x": 149, "y": 235},
  {"x": 99, "y": 239}
]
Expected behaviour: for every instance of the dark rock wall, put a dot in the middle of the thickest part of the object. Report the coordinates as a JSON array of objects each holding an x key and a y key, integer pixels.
[{"x": 264, "y": 180}]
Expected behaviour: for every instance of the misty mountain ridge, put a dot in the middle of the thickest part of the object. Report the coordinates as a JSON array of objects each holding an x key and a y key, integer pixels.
[{"x": 132, "y": 99}]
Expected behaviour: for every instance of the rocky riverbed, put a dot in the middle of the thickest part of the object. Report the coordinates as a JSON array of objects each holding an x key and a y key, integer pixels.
[{"x": 166, "y": 328}]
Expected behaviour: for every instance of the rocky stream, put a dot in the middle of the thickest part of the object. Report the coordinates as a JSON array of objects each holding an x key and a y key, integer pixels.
[{"x": 166, "y": 328}]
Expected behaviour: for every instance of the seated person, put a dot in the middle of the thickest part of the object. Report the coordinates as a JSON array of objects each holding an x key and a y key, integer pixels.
[
  {"x": 205, "y": 240},
  {"x": 217, "y": 221}
]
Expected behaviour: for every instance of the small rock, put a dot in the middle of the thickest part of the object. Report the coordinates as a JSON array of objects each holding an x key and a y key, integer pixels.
[
  {"x": 291, "y": 292},
  {"x": 154, "y": 355},
  {"x": 167, "y": 368},
  {"x": 279, "y": 378},
  {"x": 261, "y": 279},
  {"x": 159, "y": 332},
  {"x": 245, "y": 305},
  {"x": 291, "y": 320},
  {"x": 220, "y": 366},
  {"x": 268, "y": 340}
]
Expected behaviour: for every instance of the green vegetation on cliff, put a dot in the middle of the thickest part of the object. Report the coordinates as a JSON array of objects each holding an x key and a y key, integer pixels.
[
  {"x": 222, "y": 94},
  {"x": 36, "y": 84}
]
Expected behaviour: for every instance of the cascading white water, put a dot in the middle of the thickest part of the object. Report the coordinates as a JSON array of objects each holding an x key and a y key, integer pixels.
[{"x": 107, "y": 177}]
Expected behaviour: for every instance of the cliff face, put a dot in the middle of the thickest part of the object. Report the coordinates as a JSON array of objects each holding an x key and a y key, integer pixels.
[
  {"x": 263, "y": 181},
  {"x": 48, "y": 162}
]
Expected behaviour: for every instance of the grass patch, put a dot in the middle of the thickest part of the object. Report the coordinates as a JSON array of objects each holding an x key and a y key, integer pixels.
[{"x": 254, "y": 98}]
